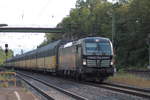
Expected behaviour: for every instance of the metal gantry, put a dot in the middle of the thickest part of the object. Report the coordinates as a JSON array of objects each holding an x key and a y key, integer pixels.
[{"x": 31, "y": 29}]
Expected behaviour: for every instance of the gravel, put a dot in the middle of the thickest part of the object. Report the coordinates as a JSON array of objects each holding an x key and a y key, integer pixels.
[{"x": 89, "y": 92}]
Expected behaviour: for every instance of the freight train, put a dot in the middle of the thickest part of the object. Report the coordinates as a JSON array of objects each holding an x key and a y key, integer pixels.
[{"x": 87, "y": 58}]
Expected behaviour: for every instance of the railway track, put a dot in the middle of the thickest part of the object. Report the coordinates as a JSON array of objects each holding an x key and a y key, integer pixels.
[
  {"x": 118, "y": 88},
  {"x": 70, "y": 94},
  {"x": 145, "y": 93},
  {"x": 123, "y": 89}
]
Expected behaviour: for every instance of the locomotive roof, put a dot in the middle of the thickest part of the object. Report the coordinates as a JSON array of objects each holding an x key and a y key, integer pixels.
[
  {"x": 48, "y": 47},
  {"x": 91, "y": 38},
  {"x": 68, "y": 44}
]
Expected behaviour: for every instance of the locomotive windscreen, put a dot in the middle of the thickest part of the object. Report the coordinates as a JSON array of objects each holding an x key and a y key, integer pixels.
[{"x": 102, "y": 48}]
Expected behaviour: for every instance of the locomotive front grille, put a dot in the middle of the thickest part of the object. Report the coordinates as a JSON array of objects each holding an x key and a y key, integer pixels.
[
  {"x": 98, "y": 63},
  {"x": 91, "y": 63},
  {"x": 105, "y": 63}
]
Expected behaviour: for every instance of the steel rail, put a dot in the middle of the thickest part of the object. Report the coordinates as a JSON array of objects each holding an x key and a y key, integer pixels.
[
  {"x": 129, "y": 87},
  {"x": 55, "y": 87},
  {"x": 123, "y": 89},
  {"x": 37, "y": 89}
]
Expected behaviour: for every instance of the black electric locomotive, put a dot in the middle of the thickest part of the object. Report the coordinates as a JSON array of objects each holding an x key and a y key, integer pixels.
[{"x": 87, "y": 58}]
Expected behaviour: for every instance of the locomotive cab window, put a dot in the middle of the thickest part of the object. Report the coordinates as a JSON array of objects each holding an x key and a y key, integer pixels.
[{"x": 102, "y": 48}]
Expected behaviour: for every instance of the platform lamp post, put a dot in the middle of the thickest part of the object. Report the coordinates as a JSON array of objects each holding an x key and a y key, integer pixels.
[
  {"x": 113, "y": 26},
  {"x": 114, "y": 7}
]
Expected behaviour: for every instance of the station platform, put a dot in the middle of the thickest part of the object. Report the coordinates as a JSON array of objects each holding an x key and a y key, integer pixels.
[{"x": 16, "y": 93}]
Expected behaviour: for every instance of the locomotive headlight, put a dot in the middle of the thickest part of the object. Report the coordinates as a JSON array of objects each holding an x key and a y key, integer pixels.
[
  {"x": 111, "y": 63},
  {"x": 84, "y": 62}
]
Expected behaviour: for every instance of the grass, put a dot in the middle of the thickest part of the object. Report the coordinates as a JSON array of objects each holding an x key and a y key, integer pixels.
[
  {"x": 3, "y": 84},
  {"x": 4, "y": 78},
  {"x": 129, "y": 79}
]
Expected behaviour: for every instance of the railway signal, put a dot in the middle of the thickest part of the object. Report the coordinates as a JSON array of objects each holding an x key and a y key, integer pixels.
[{"x": 6, "y": 50}]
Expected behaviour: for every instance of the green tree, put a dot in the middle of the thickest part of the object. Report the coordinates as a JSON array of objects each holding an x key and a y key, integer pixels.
[
  {"x": 132, "y": 31},
  {"x": 3, "y": 56},
  {"x": 94, "y": 17}
]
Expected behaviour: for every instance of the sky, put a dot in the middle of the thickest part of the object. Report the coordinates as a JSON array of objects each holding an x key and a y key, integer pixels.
[
  {"x": 30, "y": 13},
  {"x": 34, "y": 12},
  {"x": 21, "y": 41}
]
